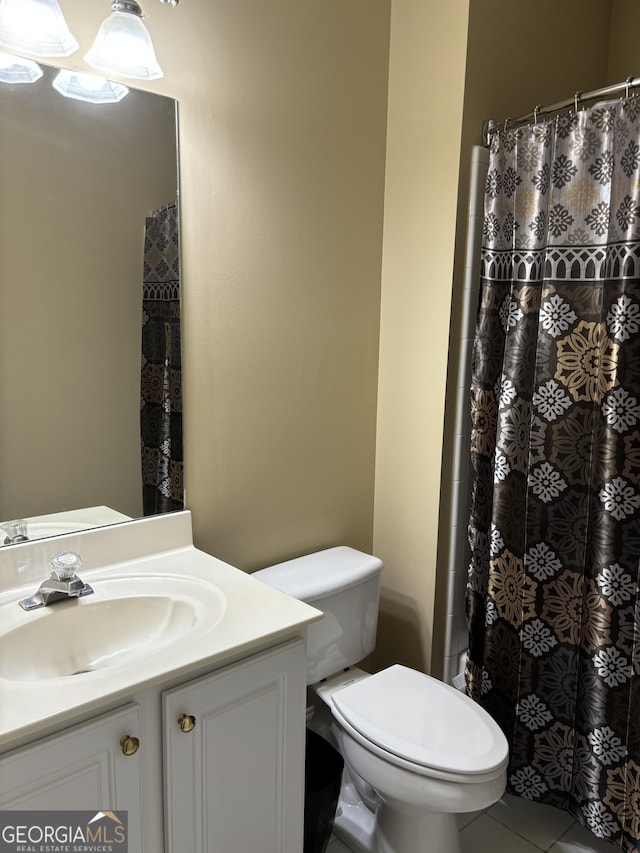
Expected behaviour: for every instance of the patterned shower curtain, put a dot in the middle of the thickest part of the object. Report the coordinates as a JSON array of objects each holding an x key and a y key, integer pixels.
[
  {"x": 161, "y": 380},
  {"x": 552, "y": 601}
]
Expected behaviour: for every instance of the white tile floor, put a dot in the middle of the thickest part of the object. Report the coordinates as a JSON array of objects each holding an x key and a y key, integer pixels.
[
  {"x": 518, "y": 826},
  {"x": 514, "y": 825}
]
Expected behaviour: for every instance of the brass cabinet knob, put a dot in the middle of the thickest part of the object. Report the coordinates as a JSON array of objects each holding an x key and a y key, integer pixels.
[
  {"x": 130, "y": 745},
  {"x": 187, "y": 723}
]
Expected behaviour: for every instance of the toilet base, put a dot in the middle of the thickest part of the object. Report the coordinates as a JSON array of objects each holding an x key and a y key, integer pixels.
[
  {"x": 428, "y": 832},
  {"x": 393, "y": 831},
  {"x": 354, "y": 823}
]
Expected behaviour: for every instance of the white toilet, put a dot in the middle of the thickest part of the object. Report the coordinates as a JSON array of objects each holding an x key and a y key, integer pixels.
[{"x": 416, "y": 751}]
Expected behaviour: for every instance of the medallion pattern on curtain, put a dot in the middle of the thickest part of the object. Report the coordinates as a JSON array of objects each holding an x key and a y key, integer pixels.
[
  {"x": 161, "y": 379},
  {"x": 552, "y": 600}
]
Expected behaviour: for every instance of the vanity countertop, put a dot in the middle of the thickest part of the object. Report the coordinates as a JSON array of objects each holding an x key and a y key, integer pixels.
[{"x": 249, "y": 616}]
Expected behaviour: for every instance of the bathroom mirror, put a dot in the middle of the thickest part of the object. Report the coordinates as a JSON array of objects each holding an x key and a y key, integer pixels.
[{"x": 77, "y": 181}]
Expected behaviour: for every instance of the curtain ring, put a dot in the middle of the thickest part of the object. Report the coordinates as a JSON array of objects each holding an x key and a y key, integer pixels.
[
  {"x": 506, "y": 122},
  {"x": 627, "y": 90},
  {"x": 536, "y": 110},
  {"x": 576, "y": 99}
]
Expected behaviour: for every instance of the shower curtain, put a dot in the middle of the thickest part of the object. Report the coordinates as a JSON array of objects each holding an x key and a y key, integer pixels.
[
  {"x": 161, "y": 378},
  {"x": 552, "y": 600}
]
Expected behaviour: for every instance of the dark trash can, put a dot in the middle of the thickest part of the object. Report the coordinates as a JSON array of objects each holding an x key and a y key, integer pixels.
[{"x": 323, "y": 776}]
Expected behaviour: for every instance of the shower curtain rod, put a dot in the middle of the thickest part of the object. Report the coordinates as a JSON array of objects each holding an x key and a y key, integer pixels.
[{"x": 490, "y": 126}]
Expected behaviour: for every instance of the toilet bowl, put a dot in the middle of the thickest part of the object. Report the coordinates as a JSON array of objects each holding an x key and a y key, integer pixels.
[
  {"x": 426, "y": 750},
  {"x": 416, "y": 751}
]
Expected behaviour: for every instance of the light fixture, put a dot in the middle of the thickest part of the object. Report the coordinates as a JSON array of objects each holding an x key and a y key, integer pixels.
[
  {"x": 88, "y": 87},
  {"x": 123, "y": 45},
  {"x": 15, "y": 69},
  {"x": 35, "y": 26}
]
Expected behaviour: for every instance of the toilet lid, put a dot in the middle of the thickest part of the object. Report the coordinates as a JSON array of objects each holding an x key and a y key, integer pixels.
[{"x": 424, "y": 721}]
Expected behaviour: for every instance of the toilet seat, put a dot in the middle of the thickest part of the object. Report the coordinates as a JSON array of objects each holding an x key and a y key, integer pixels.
[{"x": 420, "y": 723}]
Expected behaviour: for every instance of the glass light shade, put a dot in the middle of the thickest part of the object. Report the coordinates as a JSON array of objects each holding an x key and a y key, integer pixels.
[
  {"x": 16, "y": 69},
  {"x": 88, "y": 87},
  {"x": 123, "y": 47},
  {"x": 35, "y": 26}
]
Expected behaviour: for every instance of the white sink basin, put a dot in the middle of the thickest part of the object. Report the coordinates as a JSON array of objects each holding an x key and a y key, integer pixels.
[{"x": 126, "y": 618}]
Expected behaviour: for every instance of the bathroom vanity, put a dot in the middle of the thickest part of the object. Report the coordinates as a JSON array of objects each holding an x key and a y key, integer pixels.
[{"x": 181, "y": 700}]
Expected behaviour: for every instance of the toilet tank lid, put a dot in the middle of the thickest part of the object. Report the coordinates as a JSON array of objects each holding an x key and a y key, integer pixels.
[{"x": 321, "y": 573}]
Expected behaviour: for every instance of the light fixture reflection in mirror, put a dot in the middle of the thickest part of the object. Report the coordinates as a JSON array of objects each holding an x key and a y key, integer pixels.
[
  {"x": 35, "y": 26},
  {"x": 16, "y": 69},
  {"x": 88, "y": 87}
]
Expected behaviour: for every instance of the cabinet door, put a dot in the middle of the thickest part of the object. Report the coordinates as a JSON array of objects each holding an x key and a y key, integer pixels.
[
  {"x": 234, "y": 782},
  {"x": 82, "y": 768}
]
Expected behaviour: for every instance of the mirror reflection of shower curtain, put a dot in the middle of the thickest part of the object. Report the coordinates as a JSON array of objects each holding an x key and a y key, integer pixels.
[{"x": 161, "y": 376}]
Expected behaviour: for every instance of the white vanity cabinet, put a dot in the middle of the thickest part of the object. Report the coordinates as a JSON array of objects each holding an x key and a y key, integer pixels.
[
  {"x": 234, "y": 757},
  {"x": 82, "y": 768},
  {"x": 170, "y": 633},
  {"x": 229, "y": 745}
]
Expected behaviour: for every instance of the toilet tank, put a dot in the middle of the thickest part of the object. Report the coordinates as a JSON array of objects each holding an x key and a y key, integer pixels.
[{"x": 345, "y": 585}]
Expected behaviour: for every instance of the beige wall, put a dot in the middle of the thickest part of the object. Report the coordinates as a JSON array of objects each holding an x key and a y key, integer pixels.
[
  {"x": 285, "y": 156},
  {"x": 282, "y": 127},
  {"x": 426, "y": 80},
  {"x": 624, "y": 53}
]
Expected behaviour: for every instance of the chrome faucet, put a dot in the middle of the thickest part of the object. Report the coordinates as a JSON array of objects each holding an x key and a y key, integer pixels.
[{"x": 63, "y": 582}]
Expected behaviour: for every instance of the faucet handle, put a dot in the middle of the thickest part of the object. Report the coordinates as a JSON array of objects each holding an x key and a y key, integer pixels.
[
  {"x": 65, "y": 564},
  {"x": 16, "y": 531}
]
